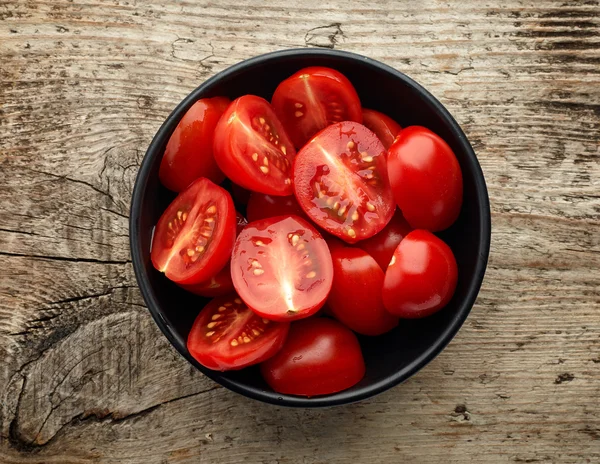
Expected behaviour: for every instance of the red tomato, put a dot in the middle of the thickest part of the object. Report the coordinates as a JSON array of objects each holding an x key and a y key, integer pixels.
[
  {"x": 261, "y": 206},
  {"x": 189, "y": 152},
  {"x": 195, "y": 235},
  {"x": 320, "y": 357},
  {"x": 382, "y": 246},
  {"x": 227, "y": 335},
  {"x": 252, "y": 148},
  {"x": 384, "y": 127},
  {"x": 218, "y": 285},
  {"x": 426, "y": 179},
  {"x": 281, "y": 268},
  {"x": 421, "y": 277},
  {"x": 340, "y": 180},
  {"x": 355, "y": 297},
  {"x": 241, "y": 222},
  {"x": 313, "y": 99}
]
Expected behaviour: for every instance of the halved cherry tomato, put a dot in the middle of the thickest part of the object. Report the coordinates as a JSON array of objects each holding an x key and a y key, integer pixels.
[
  {"x": 261, "y": 206},
  {"x": 426, "y": 179},
  {"x": 319, "y": 357},
  {"x": 384, "y": 127},
  {"x": 421, "y": 277},
  {"x": 313, "y": 99},
  {"x": 189, "y": 152},
  {"x": 382, "y": 246},
  {"x": 220, "y": 284},
  {"x": 252, "y": 148},
  {"x": 340, "y": 180},
  {"x": 281, "y": 268},
  {"x": 355, "y": 297},
  {"x": 195, "y": 235},
  {"x": 227, "y": 335}
]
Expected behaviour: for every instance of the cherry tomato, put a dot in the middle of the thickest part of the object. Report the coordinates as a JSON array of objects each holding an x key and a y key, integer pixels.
[
  {"x": 320, "y": 357},
  {"x": 189, "y": 152},
  {"x": 355, "y": 297},
  {"x": 261, "y": 206},
  {"x": 382, "y": 246},
  {"x": 281, "y": 268},
  {"x": 340, "y": 181},
  {"x": 252, "y": 148},
  {"x": 421, "y": 277},
  {"x": 384, "y": 127},
  {"x": 226, "y": 335},
  {"x": 426, "y": 179},
  {"x": 218, "y": 285},
  {"x": 195, "y": 235},
  {"x": 313, "y": 99}
]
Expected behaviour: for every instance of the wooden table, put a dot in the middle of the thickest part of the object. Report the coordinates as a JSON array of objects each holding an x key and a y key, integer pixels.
[{"x": 87, "y": 377}]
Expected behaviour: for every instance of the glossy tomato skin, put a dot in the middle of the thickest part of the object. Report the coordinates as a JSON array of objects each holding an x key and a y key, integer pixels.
[
  {"x": 313, "y": 99},
  {"x": 421, "y": 277},
  {"x": 341, "y": 182},
  {"x": 226, "y": 335},
  {"x": 382, "y": 246},
  {"x": 252, "y": 148},
  {"x": 194, "y": 237},
  {"x": 281, "y": 268},
  {"x": 355, "y": 297},
  {"x": 261, "y": 206},
  {"x": 218, "y": 285},
  {"x": 384, "y": 127},
  {"x": 426, "y": 179},
  {"x": 189, "y": 152},
  {"x": 320, "y": 357}
]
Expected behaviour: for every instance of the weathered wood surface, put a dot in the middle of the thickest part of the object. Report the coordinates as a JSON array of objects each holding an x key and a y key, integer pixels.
[{"x": 86, "y": 375}]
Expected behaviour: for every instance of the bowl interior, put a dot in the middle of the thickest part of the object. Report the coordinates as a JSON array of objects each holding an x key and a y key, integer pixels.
[{"x": 390, "y": 358}]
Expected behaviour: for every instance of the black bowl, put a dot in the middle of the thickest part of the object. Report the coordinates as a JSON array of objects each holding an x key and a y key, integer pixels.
[{"x": 391, "y": 358}]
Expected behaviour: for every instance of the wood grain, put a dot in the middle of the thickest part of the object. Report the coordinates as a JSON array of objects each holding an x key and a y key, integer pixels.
[{"x": 87, "y": 377}]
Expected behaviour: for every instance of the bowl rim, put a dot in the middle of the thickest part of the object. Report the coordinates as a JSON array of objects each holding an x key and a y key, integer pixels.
[{"x": 344, "y": 397}]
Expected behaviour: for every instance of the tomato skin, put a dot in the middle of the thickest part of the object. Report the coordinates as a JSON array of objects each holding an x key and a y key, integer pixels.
[
  {"x": 384, "y": 127},
  {"x": 426, "y": 179},
  {"x": 261, "y": 206},
  {"x": 341, "y": 182},
  {"x": 281, "y": 268},
  {"x": 312, "y": 99},
  {"x": 226, "y": 335},
  {"x": 178, "y": 247},
  {"x": 320, "y": 357},
  {"x": 382, "y": 246},
  {"x": 355, "y": 297},
  {"x": 252, "y": 148},
  {"x": 189, "y": 152},
  {"x": 421, "y": 277}
]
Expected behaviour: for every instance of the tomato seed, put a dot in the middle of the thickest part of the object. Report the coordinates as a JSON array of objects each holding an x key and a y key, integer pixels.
[
  {"x": 216, "y": 316},
  {"x": 311, "y": 274},
  {"x": 258, "y": 272},
  {"x": 298, "y": 114},
  {"x": 351, "y": 233},
  {"x": 355, "y": 216},
  {"x": 264, "y": 169},
  {"x": 255, "y": 156},
  {"x": 211, "y": 209},
  {"x": 247, "y": 340},
  {"x": 350, "y": 145},
  {"x": 370, "y": 206},
  {"x": 238, "y": 301},
  {"x": 234, "y": 342},
  {"x": 222, "y": 308}
]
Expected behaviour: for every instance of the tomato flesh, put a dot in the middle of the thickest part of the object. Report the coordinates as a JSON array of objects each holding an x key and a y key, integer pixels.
[
  {"x": 227, "y": 335},
  {"x": 313, "y": 99},
  {"x": 189, "y": 152},
  {"x": 319, "y": 357},
  {"x": 261, "y": 206},
  {"x": 340, "y": 181},
  {"x": 421, "y": 277},
  {"x": 195, "y": 235},
  {"x": 252, "y": 148},
  {"x": 382, "y": 246},
  {"x": 384, "y": 127},
  {"x": 281, "y": 268},
  {"x": 355, "y": 297},
  {"x": 426, "y": 179}
]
